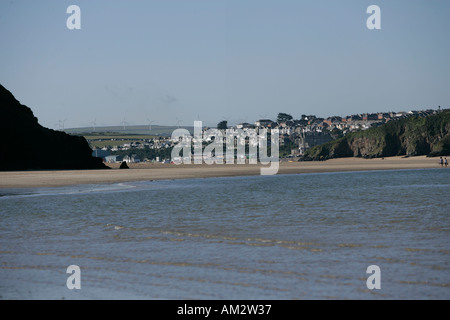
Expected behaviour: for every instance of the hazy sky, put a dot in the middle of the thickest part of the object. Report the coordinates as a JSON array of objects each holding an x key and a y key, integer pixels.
[{"x": 240, "y": 60}]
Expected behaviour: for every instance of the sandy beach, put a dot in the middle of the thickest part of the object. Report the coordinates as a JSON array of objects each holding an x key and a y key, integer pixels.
[{"x": 150, "y": 171}]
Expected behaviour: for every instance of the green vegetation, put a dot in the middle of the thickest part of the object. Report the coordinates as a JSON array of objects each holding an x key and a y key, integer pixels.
[
  {"x": 411, "y": 136},
  {"x": 222, "y": 125},
  {"x": 283, "y": 117},
  {"x": 146, "y": 153},
  {"x": 286, "y": 149},
  {"x": 110, "y": 136}
]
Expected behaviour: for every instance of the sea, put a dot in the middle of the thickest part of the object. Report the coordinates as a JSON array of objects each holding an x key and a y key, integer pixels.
[{"x": 342, "y": 235}]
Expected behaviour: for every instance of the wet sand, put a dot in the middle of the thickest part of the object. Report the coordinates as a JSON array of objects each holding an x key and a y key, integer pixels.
[{"x": 150, "y": 171}]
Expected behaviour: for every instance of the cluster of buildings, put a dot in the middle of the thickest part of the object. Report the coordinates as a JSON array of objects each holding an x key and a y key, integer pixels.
[
  {"x": 309, "y": 130},
  {"x": 349, "y": 123},
  {"x": 300, "y": 134},
  {"x": 107, "y": 152},
  {"x": 156, "y": 143}
]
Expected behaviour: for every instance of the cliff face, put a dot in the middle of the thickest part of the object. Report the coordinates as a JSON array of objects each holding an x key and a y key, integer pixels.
[
  {"x": 412, "y": 136},
  {"x": 26, "y": 145}
]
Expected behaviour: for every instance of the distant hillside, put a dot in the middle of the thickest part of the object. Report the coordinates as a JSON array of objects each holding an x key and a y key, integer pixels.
[
  {"x": 412, "y": 136},
  {"x": 26, "y": 145},
  {"x": 156, "y": 130}
]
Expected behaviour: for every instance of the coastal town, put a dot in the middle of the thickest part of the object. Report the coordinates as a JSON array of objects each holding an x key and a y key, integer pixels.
[{"x": 295, "y": 135}]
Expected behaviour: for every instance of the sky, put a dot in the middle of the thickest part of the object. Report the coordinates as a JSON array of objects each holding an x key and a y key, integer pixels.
[{"x": 176, "y": 61}]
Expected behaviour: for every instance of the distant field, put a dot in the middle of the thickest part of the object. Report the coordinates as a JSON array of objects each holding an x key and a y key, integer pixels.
[
  {"x": 101, "y": 140},
  {"x": 109, "y": 136},
  {"x": 114, "y": 136},
  {"x": 118, "y": 130},
  {"x": 113, "y": 143}
]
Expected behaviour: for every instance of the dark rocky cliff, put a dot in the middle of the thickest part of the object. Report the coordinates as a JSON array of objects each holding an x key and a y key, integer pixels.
[
  {"x": 26, "y": 145},
  {"x": 412, "y": 136}
]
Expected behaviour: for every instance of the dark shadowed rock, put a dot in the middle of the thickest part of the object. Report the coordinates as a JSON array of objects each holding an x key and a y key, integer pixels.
[
  {"x": 26, "y": 145},
  {"x": 124, "y": 165}
]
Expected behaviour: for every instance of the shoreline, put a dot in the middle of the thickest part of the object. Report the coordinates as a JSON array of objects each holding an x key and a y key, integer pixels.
[{"x": 152, "y": 171}]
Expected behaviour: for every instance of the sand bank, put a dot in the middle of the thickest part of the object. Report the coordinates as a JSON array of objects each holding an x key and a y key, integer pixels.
[{"x": 149, "y": 171}]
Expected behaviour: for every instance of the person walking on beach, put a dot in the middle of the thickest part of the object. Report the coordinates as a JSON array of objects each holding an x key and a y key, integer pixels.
[
  {"x": 441, "y": 162},
  {"x": 445, "y": 162}
]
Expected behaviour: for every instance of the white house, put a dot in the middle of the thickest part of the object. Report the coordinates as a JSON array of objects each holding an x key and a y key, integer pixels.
[{"x": 132, "y": 159}]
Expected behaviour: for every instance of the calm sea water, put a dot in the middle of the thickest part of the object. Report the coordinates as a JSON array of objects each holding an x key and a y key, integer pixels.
[{"x": 306, "y": 236}]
